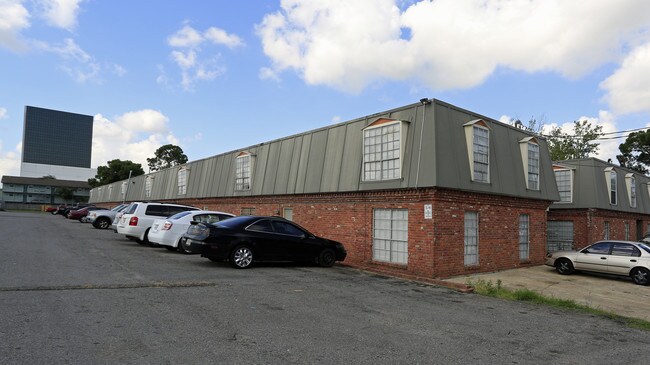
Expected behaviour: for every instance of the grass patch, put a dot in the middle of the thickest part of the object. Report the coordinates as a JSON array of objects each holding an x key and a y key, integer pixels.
[{"x": 487, "y": 288}]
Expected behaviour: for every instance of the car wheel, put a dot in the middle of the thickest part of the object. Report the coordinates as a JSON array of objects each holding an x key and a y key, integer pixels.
[
  {"x": 564, "y": 266},
  {"x": 641, "y": 276},
  {"x": 182, "y": 246},
  {"x": 102, "y": 223},
  {"x": 241, "y": 257},
  {"x": 327, "y": 258}
]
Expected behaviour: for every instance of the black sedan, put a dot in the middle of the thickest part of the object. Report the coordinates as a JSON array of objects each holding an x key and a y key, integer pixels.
[{"x": 247, "y": 239}]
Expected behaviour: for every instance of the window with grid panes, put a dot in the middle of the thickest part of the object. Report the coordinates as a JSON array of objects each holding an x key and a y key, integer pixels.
[
  {"x": 481, "y": 150},
  {"x": 627, "y": 231},
  {"x": 563, "y": 180},
  {"x": 381, "y": 152},
  {"x": 633, "y": 192},
  {"x": 613, "y": 187},
  {"x": 390, "y": 235},
  {"x": 533, "y": 166},
  {"x": 147, "y": 187},
  {"x": 182, "y": 181},
  {"x": 606, "y": 231},
  {"x": 524, "y": 236},
  {"x": 243, "y": 172},
  {"x": 471, "y": 238}
]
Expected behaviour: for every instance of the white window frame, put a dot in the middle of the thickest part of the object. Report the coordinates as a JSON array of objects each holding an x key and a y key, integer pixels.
[
  {"x": 390, "y": 236},
  {"x": 472, "y": 151},
  {"x": 183, "y": 177},
  {"x": 611, "y": 179},
  {"x": 471, "y": 239},
  {"x": 531, "y": 161},
  {"x": 383, "y": 148},
  {"x": 607, "y": 230},
  {"x": 627, "y": 231},
  {"x": 570, "y": 191},
  {"x": 630, "y": 182},
  {"x": 243, "y": 171},
  {"x": 524, "y": 237}
]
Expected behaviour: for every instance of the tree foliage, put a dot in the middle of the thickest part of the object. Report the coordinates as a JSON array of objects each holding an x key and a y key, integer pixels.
[
  {"x": 635, "y": 151},
  {"x": 166, "y": 156},
  {"x": 116, "y": 170},
  {"x": 579, "y": 144},
  {"x": 65, "y": 193}
]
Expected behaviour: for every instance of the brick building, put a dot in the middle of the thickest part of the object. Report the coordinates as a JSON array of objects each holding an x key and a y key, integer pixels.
[
  {"x": 598, "y": 200},
  {"x": 427, "y": 189}
]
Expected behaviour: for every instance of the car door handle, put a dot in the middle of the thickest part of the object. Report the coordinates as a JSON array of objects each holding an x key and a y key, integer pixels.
[
  {"x": 603, "y": 258},
  {"x": 632, "y": 260}
]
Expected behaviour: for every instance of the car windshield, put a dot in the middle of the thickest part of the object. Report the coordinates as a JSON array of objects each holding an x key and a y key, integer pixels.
[
  {"x": 180, "y": 215},
  {"x": 645, "y": 247}
]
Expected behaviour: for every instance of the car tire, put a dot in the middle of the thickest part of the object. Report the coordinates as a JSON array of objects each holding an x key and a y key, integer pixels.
[
  {"x": 327, "y": 258},
  {"x": 640, "y": 276},
  {"x": 241, "y": 257},
  {"x": 564, "y": 266},
  {"x": 102, "y": 223},
  {"x": 181, "y": 247}
]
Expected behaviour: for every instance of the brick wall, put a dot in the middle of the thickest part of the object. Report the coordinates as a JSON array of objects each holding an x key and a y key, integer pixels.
[
  {"x": 589, "y": 224},
  {"x": 435, "y": 246}
]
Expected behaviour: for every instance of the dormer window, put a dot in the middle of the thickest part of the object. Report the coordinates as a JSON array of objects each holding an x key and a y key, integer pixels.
[
  {"x": 243, "y": 169},
  {"x": 148, "y": 182},
  {"x": 630, "y": 182},
  {"x": 611, "y": 179},
  {"x": 530, "y": 155},
  {"x": 564, "y": 181},
  {"x": 182, "y": 180},
  {"x": 383, "y": 143},
  {"x": 477, "y": 134}
]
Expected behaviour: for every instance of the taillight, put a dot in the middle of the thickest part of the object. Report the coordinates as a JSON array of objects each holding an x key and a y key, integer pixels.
[
  {"x": 167, "y": 225},
  {"x": 133, "y": 221}
]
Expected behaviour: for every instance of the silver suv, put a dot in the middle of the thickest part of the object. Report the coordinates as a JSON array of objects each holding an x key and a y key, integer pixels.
[{"x": 138, "y": 217}]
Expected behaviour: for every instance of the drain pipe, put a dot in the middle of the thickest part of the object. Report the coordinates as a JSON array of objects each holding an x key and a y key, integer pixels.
[{"x": 424, "y": 102}]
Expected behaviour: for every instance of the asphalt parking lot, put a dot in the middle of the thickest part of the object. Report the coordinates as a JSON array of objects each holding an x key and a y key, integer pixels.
[
  {"x": 71, "y": 294},
  {"x": 610, "y": 293}
]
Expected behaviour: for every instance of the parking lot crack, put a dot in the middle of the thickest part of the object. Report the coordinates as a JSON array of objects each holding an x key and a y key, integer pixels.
[{"x": 155, "y": 284}]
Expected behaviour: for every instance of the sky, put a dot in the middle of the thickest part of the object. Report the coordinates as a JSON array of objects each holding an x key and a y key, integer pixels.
[{"x": 216, "y": 76}]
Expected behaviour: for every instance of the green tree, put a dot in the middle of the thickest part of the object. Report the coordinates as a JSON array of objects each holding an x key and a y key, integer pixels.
[
  {"x": 116, "y": 170},
  {"x": 166, "y": 156},
  {"x": 635, "y": 151},
  {"x": 65, "y": 193},
  {"x": 579, "y": 144}
]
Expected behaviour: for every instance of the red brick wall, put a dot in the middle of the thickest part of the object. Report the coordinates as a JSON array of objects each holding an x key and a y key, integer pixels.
[
  {"x": 589, "y": 224},
  {"x": 435, "y": 246}
]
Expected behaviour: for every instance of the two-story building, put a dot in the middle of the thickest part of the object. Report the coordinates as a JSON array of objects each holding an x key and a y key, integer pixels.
[
  {"x": 598, "y": 200},
  {"x": 428, "y": 189}
]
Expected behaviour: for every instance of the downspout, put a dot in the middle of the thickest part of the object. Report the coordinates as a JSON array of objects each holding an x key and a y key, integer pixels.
[
  {"x": 128, "y": 182},
  {"x": 424, "y": 102}
]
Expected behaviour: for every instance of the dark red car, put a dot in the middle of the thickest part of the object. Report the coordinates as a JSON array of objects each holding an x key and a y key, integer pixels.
[{"x": 80, "y": 214}]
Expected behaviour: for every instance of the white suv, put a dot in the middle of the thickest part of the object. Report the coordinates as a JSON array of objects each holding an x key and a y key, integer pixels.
[{"x": 137, "y": 219}]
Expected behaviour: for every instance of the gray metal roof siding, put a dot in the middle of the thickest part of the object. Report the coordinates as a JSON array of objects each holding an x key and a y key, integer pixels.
[
  {"x": 329, "y": 159},
  {"x": 590, "y": 187}
]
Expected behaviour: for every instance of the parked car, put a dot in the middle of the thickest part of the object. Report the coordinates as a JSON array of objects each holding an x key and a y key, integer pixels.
[
  {"x": 103, "y": 218},
  {"x": 80, "y": 214},
  {"x": 64, "y": 209},
  {"x": 138, "y": 217},
  {"x": 247, "y": 239},
  {"x": 168, "y": 232},
  {"x": 51, "y": 209},
  {"x": 623, "y": 258}
]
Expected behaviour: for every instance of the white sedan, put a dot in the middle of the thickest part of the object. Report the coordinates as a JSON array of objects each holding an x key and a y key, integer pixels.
[{"x": 168, "y": 232}]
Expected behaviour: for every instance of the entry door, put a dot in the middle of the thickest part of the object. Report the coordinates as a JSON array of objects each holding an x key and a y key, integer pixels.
[{"x": 640, "y": 232}]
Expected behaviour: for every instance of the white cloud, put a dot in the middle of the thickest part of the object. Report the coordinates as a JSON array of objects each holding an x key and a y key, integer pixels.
[
  {"x": 446, "y": 44},
  {"x": 61, "y": 13},
  {"x": 81, "y": 66},
  {"x": 14, "y": 18},
  {"x": 220, "y": 36},
  {"x": 628, "y": 89},
  {"x": 10, "y": 161},
  {"x": 133, "y": 136},
  {"x": 189, "y": 54},
  {"x": 3, "y": 113}
]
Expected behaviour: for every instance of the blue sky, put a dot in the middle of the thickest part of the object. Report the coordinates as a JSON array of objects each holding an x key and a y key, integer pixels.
[{"x": 214, "y": 76}]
